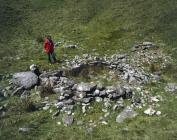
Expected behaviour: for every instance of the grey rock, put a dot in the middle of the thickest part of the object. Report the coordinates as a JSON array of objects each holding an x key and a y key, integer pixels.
[
  {"x": 107, "y": 104},
  {"x": 79, "y": 123},
  {"x": 120, "y": 90},
  {"x": 121, "y": 56},
  {"x": 86, "y": 87},
  {"x": 76, "y": 69},
  {"x": 110, "y": 89},
  {"x": 59, "y": 105},
  {"x": 25, "y": 129},
  {"x": 86, "y": 56},
  {"x": 98, "y": 99},
  {"x": 147, "y": 43},
  {"x": 107, "y": 114},
  {"x": 96, "y": 92},
  {"x": 26, "y": 80},
  {"x": 115, "y": 107},
  {"x": 102, "y": 93},
  {"x": 171, "y": 87},
  {"x": 71, "y": 46},
  {"x": 128, "y": 112},
  {"x": 59, "y": 90},
  {"x": 68, "y": 102},
  {"x": 68, "y": 108},
  {"x": 100, "y": 86},
  {"x": 80, "y": 95},
  {"x": 86, "y": 100},
  {"x": 89, "y": 130},
  {"x": 46, "y": 107},
  {"x": 68, "y": 120},
  {"x": 104, "y": 122}
]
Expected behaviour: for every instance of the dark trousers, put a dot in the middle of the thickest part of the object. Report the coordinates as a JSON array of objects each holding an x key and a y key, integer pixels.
[{"x": 51, "y": 58}]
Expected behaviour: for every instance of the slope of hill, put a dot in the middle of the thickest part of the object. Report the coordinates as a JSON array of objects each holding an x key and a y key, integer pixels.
[
  {"x": 104, "y": 25},
  {"x": 96, "y": 26}
]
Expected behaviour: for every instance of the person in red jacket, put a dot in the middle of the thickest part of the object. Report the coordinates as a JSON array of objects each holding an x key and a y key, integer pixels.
[{"x": 49, "y": 49}]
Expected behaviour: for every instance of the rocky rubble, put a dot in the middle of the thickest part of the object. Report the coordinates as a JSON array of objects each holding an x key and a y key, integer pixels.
[{"x": 128, "y": 67}]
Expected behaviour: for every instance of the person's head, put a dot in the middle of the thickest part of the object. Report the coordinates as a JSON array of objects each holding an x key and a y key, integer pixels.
[{"x": 49, "y": 37}]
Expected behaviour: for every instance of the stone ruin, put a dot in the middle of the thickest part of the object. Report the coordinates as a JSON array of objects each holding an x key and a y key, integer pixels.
[{"x": 70, "y": 92}]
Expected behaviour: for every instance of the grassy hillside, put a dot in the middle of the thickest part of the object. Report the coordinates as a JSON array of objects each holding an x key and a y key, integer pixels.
[{"x": 106, "y": 25}]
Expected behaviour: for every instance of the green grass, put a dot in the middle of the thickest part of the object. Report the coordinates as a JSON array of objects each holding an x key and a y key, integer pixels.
[
  {"x": 46, "y": 128},
  {"x": 108, "y": 26}
]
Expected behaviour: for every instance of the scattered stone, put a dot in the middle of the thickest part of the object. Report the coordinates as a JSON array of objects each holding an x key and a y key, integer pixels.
[
  {"x": 89, "y": 130},
  {"x": 68, "y": 120},
  {"x": 59, "y": 123},
  {"x": 171, "y": 87},
  {"x": 104, "y": 122},
  {"x": 83, "y": 109},
  {"x": 96, "y": 92},
  {"x": 158, "y": 113},
  {"x": 71, "y": 46},
  {"x": 128, "y": 112},
  {"x": 128, "y": 68},
  {"x": 98, "y": 99},
  {"x": 106, "y": 115},
  {"x": 104, "y": 110},
  {"x": 46, "y": 107},
  {"x": 86, "y": 87},
  {"x": 107, "y": 104},
  {"x": 86, "y": 100},
  {"x": 149, "y": 111},
  {"x": 110, "y": 89},
  {"x": 155, "y": 99},
  {"x": 80, "y": 95},
  {"x": 59, "y": 105},
  {"x": 25, "y": 130},
  {"x": 79, "y": 123}
]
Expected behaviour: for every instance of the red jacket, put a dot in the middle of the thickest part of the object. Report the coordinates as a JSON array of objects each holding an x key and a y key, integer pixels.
[{"x": 48, "y": 46}]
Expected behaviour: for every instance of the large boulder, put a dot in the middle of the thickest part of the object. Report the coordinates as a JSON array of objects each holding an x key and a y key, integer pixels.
[{"x": 26, "y": 80}]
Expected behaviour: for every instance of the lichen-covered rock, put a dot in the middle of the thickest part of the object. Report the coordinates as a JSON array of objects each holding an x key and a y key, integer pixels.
[{"x": 26, "y": 80}]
